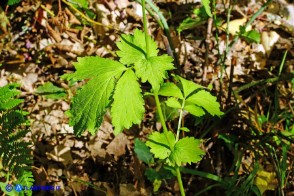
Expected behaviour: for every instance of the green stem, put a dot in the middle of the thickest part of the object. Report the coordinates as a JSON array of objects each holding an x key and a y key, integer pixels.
[
  {"x": 182, "y": 190},
  {"x": 165, "y": 130},
  {"x": 162, "y": 120},
  {"x": 145, "y": 29}
]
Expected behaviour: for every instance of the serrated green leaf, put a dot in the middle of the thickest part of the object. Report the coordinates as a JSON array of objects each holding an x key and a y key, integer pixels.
[
  {"x": 188, "y": 86},
  {"x": 50, "y": 91},
  {"x": 128, "y": 105},
  {"x": 206, "y": 5},
  {"x": 170, "y": 89},
  {"x": 158, "y": 144},
  {"x": 93, "y": 66},
  {"x": 154, "y": 70},
  {"x": 143, "y": 152},
  {"x": 187, "y": 150},
  {"x": 132, "y": 48},
  {"x": 173, "y": 103},
  {"x": 207, "y": 101},
  {"x": 194, "y": 110},
  {"x": 89, "y": 104}
]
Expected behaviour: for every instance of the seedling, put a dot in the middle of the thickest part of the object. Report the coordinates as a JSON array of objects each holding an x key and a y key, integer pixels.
[{"x": 116, "y": 85}]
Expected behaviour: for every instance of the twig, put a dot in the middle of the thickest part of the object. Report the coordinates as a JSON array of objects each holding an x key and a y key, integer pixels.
[
  {"x": 207, "y": 47},
  {"x": 88, "y": 19}
]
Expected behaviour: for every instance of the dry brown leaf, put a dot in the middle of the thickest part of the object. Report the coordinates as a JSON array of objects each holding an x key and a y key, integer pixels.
[
  {"x": 118, "y": 145},
  {"x": 60, "y": 153}
]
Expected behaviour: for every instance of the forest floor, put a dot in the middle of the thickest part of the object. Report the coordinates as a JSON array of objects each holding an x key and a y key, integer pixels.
[{"x": 41, "y": 40}]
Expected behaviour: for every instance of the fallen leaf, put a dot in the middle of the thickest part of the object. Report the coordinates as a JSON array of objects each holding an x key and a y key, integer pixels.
[
  {"x": 268, "y": 41},
  {"x": 234, "y": 26}
]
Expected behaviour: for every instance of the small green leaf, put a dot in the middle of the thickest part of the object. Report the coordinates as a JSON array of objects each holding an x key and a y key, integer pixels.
[
  {"x": 251, "y": 36},
  {"x": 194, "y": 110},
  {"x": 143, "y": 152},
  {"x": 170, "y": 89},
  {"x": 187, "y": 150},
  {"x": 188, "y": 86},
  {"x": 173, "y": 103},
  {"x": 132, "y": 48},
  {"x": 207, "y": 101},
  {"x": 206, "y": 5},
  {"x": 128, "y": 105},
  {"x": 13, "y": 2},
  {"x": 50, "y": 91},
  {"x": 159, "y": 144},
  {"x": 190, "y": 23},
  {"x": 79, "y": 3},
  {"x": 163, "y": 173},
  {"x": 154, "y": 70},
  {"x": 185, "y": 129}
]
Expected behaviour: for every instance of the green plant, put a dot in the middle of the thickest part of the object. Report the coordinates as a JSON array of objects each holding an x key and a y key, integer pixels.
[
  {"x": 114, "y": 85},
  {"x": 15, "y": 154},
  {"x": 13, "y": 2}
]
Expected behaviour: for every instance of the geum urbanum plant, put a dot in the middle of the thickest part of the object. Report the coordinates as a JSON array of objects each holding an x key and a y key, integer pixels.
[{"x": 115, "y": 85}]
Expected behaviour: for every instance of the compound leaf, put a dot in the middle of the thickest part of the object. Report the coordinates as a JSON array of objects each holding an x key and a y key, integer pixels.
[
  {"x": 128, "y": 105},
  {"x": 7, "y": 94},
  {"x": 159, "y": 144},
  {"x": 207, "y": 101},
  {"x": 89, "y": 104},
  {"x": 187, "y": 150},
  {"x": 154, "y": 69},
  {"x": 132, "y": 48}
]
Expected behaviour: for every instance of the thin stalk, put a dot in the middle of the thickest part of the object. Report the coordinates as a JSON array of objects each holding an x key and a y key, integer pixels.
[
  {"x": 180, "y": 121},
  {"x": 145, "y": 29},
  {"x": 179, "y": 177},
  {"x": 162, "y": 120}
]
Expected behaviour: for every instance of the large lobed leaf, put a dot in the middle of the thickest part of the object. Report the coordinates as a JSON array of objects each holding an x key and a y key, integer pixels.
[
  {"x": 89, "y": 104},
  {"x": 132, "y": 51},
  {"x": 128, "y": 105}
]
